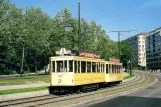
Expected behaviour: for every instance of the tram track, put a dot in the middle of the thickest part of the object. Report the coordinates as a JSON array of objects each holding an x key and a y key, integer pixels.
[{"x": 140, "y": 80}]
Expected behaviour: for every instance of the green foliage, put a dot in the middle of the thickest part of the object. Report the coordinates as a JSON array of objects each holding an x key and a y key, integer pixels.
[
  {"x": 129, "y": 76},
  {"x": 24, "y": 80},
  {"x": 127, "y": 53},
  {"x": 40, "y": 36}
]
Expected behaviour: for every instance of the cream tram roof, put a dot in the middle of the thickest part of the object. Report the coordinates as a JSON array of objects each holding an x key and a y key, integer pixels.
[
  {"x": 57, "y": 58},
  {"x": 76, "y": 58}
]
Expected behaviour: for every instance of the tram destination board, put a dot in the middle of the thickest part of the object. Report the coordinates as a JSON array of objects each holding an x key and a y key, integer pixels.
[
  {"x": 114, "y": 60},
  {"x": 86, "y": 54}
]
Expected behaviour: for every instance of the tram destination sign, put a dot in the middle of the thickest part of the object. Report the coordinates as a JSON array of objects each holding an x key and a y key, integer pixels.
[
  {"x": 114, "y": 60},
  {"x": 86, "y": 54}
]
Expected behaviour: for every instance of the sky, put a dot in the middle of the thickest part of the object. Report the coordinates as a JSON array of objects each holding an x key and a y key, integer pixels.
[{"x": 140, "y": 15}]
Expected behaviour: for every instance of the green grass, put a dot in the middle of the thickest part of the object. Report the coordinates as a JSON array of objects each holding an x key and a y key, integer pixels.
[
  {"x": 17, "y": 80},
  {"x": 130, "y": 76},
  {"x": 22, "y": 90}
]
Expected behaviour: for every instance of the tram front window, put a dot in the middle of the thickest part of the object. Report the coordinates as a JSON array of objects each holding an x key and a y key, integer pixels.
[
  {"x": 70, "y": 66},
  {"x": 61, "y": 66}
]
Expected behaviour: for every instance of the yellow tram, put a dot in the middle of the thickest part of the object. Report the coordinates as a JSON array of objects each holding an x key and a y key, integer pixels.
[{"x": 76, "y": 73}]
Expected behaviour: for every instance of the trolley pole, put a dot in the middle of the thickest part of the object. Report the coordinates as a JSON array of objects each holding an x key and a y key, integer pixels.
[
  {"x": 79, "y": 38},
  {"x": 130, "y": 66},
  {"x": 118, "y": 31},
  {"x": 119, "y": 44}
]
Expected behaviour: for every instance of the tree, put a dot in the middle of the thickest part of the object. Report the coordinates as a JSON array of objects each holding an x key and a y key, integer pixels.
[{"x": 127, "y": 53}]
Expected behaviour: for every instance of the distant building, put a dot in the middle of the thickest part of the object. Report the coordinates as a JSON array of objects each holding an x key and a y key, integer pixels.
[
  {"x": 153, "y": 49},
  {"x": 138, "y": 44}
]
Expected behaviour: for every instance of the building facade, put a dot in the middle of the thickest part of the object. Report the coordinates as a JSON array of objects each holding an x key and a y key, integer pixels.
[
  {"x": 153, "y": 49},
  {"x": 138, "y": 44}
]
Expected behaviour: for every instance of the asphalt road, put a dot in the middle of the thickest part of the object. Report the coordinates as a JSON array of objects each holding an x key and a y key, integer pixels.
[{"x": 148, "y": 97}]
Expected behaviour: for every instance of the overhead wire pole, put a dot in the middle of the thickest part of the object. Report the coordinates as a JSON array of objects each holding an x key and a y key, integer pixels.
[
  {"x": 79, "y": 39},
  {"x": 119, "y": 45}
]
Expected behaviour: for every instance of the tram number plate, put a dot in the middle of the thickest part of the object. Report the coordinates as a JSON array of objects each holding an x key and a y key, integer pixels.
[{"x": 59, "y": 80}]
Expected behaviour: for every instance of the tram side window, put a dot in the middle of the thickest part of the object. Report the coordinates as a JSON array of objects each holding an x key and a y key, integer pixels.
[
  {"x": 75, "y": 66},
  {"x": 59, "y": 66},
  {"x": 103, "y": 68},
  {"x": 93, "y": 67},
  {"x": 70, "y": 66},
  {"x": 83, "y": 67},
  {"x": 53, "y": 66},
  {"x": 98, "y": 67},
  {"x": 116, "y": 68},
  {"x": 107, "y": 69},
  {"x": 120, "y": 68},
  {"x": 65, "y": 66},
  {"x": 88, "y": 67},
  {"x": 112, "y": 68},
  {"x": 78, "y": 66}
]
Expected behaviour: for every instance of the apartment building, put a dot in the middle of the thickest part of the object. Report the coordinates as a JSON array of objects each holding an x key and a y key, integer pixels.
[
  {"x": 153, "y": 49},
  {"x": 138, "y": 44}
]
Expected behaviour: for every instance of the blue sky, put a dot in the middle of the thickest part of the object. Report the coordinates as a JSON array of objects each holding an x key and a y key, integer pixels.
[{"x": 140, "y": 15}]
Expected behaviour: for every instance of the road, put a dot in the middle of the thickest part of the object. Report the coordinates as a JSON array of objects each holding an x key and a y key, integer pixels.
[{"x": 148, "y": 97}]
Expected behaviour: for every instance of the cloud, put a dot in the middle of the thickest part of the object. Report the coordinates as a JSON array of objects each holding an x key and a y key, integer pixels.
[{"x": 152, "y": 3}]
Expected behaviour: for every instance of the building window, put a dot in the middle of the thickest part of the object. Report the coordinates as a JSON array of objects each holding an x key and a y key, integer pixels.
[{"x": 143, "y": 46}]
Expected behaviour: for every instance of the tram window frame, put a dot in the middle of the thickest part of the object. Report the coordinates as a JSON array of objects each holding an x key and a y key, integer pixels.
[
  {"x": 93, "y": 67},
  {"x": 83, "y": 66},
  {"x": 58, "y": 64},
  {"x": 88, "y": 67},
  {"x": 65, "y": 68},
  {"x": 98, "y": 67},
  {"x": 117, "y": 69},
  {"x": 53, "y": 66},
  {"x": 107, "y": 70},
  {"x": 70, "y": 69}
]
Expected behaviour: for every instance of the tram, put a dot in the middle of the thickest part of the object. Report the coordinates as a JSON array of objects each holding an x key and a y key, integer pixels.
[{"x": 82, "y": 73}]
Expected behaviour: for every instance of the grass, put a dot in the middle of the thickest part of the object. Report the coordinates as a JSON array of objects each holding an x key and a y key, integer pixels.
[
  {"x": 17, "y": 80},
  {"x": 130, "y": 76},
  {"x": 28, "y": 79},
  {"x": 22, "y": 90}
]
